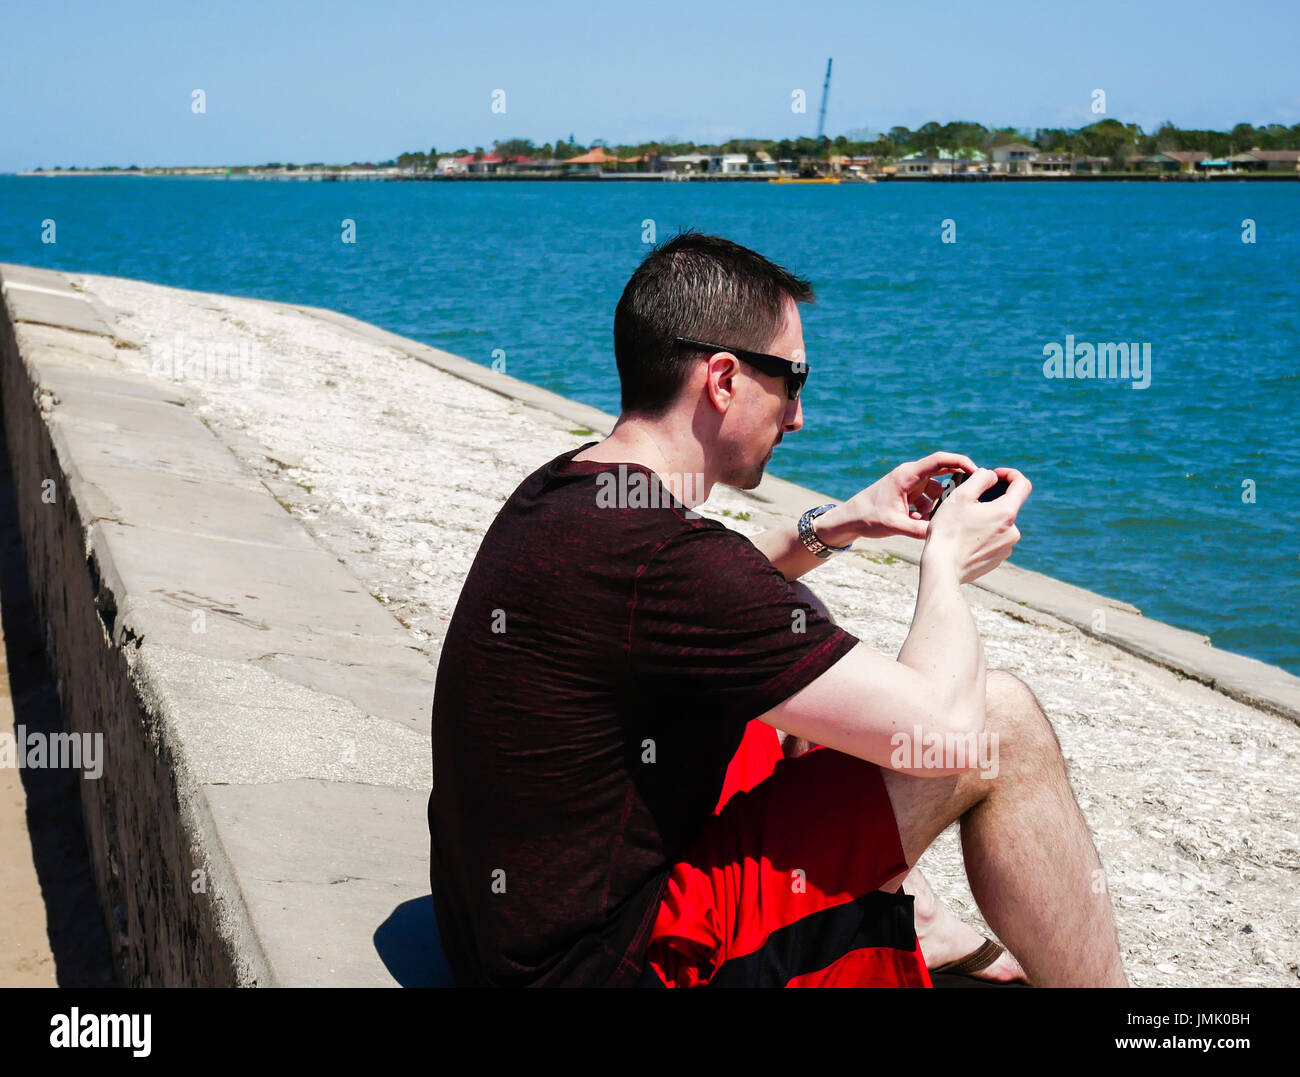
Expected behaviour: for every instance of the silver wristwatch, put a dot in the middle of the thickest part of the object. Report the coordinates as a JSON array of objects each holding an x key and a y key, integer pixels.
[{"x": 809, "y": 537}]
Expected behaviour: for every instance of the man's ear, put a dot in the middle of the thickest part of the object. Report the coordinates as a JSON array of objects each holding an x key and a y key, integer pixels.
[{"x": 720, "y": 380}]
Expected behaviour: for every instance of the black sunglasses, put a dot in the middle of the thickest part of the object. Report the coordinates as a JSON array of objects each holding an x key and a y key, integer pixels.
[{"x": 795, "y": 373}]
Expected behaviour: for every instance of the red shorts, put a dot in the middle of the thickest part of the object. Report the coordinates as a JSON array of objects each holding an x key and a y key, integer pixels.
[{"x": 781, "y": 888}]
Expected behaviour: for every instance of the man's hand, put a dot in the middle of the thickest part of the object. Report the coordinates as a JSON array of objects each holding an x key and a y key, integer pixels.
[
  {"x": 901, "y": 502},
  {"x": 971, "y": 536}
]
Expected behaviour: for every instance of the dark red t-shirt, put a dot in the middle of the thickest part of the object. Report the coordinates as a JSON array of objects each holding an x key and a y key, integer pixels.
[{"x": 606, "y": 652}]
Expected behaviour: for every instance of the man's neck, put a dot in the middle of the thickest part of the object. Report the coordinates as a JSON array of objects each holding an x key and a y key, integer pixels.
[{"x": 676, "y": 458}]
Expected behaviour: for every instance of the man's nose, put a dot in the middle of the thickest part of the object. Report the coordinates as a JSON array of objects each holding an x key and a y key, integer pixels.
[{"x": 794, "y": 418}]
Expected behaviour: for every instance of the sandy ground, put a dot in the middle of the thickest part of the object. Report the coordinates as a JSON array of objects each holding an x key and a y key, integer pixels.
[
  {"x": 26, "y": 959},
  {"x": 398, "y": 468},
  {"x": 52, "y": 928}
]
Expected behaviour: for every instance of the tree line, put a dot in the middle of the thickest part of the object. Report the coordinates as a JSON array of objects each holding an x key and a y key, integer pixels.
[{"x": 1105, "y": 138}]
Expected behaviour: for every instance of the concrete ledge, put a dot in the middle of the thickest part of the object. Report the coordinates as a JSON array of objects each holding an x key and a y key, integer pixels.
[{"x": 265, "y": 721}]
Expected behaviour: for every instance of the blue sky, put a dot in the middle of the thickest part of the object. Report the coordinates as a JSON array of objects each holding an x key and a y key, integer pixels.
[{"x": 92, "y": 83}]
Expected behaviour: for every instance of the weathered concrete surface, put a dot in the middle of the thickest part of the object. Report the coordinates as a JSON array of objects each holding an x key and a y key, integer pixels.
[
  {"x": 322, "y": 891},
  {"x": 284, "y": 747},
  {"x": 217, "y": 648}
]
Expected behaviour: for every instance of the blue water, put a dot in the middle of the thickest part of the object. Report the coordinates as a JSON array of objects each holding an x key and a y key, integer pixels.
[{"x": 913, "y": 344}]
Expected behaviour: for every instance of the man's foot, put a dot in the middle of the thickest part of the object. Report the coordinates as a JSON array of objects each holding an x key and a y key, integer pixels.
[{"x": 944, "y": 938}]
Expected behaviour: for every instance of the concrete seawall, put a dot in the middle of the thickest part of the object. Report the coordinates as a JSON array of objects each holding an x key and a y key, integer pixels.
[
  {"x": 264, "y": 699},
  {"x": 264, "y": 722}
]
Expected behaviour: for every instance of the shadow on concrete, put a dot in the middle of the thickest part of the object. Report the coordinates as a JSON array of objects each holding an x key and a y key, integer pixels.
[
  {"x": 410, "y": 947},
  {"x": 78, "y": 937}
]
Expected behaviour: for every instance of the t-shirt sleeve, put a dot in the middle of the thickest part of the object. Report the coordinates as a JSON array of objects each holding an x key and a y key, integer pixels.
[{"x": 712, "y": 617}]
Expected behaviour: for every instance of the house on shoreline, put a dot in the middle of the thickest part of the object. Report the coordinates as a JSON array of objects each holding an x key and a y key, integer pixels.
[
  {"x": 1257, "y": 160},
  {"x": 940, "y": 163},
  {"x": 1013, "y": 158},
  {"x": 1019, "y": 159},
  {"x": 922, "y": 164},
  {"x": 1169, "y": 161}
]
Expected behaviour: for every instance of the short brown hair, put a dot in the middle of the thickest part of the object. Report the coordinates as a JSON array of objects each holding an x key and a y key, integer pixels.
[{"x": 698, "y": 286}]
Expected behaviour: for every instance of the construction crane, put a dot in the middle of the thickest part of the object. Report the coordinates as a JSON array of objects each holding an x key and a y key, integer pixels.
[
  {"x": 821, "y": 116},
  {"x": 809, "y": 171},
  {"x": 819, "y": 167}
]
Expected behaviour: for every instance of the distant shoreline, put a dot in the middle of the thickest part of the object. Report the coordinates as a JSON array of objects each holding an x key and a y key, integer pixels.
[{"x": 377, "y": 176}]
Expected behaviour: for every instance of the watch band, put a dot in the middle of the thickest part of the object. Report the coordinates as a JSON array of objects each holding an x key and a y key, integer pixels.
[{"x": 809, "y": 537}]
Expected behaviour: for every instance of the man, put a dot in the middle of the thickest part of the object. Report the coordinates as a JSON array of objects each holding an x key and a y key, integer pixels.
[{"x": 607, "y": 807}]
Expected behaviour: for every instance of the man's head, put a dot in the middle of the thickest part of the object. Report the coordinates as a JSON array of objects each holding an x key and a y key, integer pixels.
[{"x": 705, "y": 288}]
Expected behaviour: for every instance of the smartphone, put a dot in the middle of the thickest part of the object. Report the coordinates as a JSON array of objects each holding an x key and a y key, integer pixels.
[{"x": 991, "y": 494}]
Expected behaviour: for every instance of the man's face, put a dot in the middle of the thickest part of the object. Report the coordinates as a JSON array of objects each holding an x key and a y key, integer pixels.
[{"x": 763, "y": 413}]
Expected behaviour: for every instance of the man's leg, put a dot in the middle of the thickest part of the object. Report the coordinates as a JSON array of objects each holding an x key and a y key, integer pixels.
[
  {"x": 1030, "y": 860},
  {"x": 944, "y": 936},
  {"x": 794, "y": 882},
  {"x": 801, "y": 871}
]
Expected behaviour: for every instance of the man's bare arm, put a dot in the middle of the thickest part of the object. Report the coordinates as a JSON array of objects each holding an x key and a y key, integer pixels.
[{"x": 861, "y": 702}]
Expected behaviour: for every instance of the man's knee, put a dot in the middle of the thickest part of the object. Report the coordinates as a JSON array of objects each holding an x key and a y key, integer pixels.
[
  {"x": 1014, "y": 711},
  {"x": 1007, "y": 692}
]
